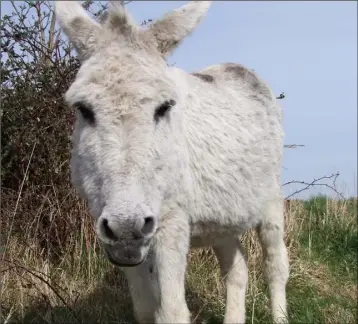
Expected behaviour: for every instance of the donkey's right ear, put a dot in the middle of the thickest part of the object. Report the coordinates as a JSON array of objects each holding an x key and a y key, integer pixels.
[{"x": 81, "y": 30}]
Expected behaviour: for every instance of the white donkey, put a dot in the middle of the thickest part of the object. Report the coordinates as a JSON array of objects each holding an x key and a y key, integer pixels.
[{"x": 169, "y": 160}]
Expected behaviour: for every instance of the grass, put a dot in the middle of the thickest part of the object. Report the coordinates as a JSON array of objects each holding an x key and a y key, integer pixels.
[{"x": 82, "y": 287}]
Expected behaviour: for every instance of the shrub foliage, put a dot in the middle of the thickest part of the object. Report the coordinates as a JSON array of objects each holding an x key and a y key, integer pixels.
[{"x": 37, "y": 67}]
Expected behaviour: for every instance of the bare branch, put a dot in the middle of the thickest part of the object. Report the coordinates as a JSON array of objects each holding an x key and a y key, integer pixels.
[
  {"x": 293, "y": 145},
  {"x": 315, "y": 182},
  {"x": 41, "y": 28},
  {"x": 51, "y": 34}
]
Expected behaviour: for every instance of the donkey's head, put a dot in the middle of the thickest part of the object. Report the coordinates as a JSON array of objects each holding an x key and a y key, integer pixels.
[{"x": 128, "y": 154}]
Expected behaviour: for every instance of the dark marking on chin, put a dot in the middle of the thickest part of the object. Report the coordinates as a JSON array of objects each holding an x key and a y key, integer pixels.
[{"x": 150, "y": 269}]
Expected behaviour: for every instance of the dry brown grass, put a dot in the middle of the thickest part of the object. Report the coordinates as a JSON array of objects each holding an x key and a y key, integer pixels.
[{"x": 82, "y": 286}]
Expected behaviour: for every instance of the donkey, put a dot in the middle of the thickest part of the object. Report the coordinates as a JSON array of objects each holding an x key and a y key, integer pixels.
[{"x": 169, "y": 160}]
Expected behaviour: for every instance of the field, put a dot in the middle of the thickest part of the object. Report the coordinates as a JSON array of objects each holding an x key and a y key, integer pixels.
[{"x": 83, "y": 287}]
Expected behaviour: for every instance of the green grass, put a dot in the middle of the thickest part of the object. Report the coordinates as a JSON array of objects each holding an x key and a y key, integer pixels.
[
  {"x": 321, "y": 236},
  {"x": 329, "y": 238}
]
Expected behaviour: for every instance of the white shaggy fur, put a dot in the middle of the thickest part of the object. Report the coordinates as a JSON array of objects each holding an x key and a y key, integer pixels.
[{"x": 199, "y": 174}]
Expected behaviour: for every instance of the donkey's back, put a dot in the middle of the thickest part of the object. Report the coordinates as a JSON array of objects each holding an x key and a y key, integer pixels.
[{"x": 238, "y": 77}]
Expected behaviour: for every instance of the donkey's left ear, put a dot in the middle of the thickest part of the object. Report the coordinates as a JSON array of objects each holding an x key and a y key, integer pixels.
[{"x": 176, "y": 25}]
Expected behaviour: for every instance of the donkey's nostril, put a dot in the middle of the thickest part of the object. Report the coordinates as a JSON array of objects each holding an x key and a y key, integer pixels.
[
  {"x": 107, "y": 230},
  {"x": 149, "y": 224},
  {"x": 144, "y": 227}
]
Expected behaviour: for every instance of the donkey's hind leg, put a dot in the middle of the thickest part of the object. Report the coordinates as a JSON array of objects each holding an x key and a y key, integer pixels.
[
  {"x": 233, "y": 266},
  {"x": 276, "y": 265}
]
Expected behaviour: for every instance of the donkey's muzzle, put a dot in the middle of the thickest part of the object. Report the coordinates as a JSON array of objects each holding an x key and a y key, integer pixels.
[
  {"x": 126, "y": 240},
  {"x": 114, "y": 230}
]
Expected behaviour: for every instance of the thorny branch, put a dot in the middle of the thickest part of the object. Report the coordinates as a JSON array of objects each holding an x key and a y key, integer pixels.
[{"x": 316, "y": 182}]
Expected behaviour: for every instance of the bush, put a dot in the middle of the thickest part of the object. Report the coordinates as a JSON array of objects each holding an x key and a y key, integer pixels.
[{"x": 37, "y": 67}]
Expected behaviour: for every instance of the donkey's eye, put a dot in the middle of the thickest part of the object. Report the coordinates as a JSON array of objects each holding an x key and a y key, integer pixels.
[
  {"x": 87, "y": 112},
  {"x": 162, "y": 109}
]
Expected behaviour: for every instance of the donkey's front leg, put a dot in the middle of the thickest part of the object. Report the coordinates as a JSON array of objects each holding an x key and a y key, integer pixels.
[
  {"x": 157, "y": 285},
  {"x": 170, "y": 249},
  {"x": 144, "y": 291}
]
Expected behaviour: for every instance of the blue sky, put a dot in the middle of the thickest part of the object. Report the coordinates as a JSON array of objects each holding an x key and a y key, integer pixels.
[{"x": 307, "y": 49}]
